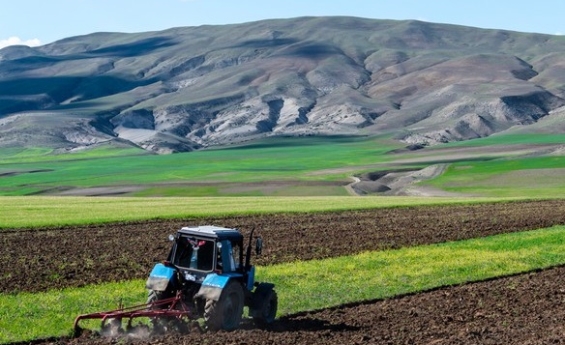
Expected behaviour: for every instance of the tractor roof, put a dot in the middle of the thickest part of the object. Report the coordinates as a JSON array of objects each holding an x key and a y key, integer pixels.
[{"x": 212, "y": 231}]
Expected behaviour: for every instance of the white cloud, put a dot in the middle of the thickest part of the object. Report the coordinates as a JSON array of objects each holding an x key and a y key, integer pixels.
[{"x": 16, "y": 40}]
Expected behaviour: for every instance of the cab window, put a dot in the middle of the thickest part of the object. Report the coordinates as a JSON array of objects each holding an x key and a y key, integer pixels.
[{"x": 195, "y": 254}]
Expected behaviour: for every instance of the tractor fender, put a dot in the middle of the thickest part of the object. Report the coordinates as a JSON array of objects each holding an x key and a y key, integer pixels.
[
  {"x": 160, "y": 277},
  {"x": 213, "y": 285},
  {"x": 261, "y": 292}
]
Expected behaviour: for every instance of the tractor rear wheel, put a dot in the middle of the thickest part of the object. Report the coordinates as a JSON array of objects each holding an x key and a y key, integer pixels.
[
  {"x": 267, "y": 309},
  {"x": 225, "y": 314}
]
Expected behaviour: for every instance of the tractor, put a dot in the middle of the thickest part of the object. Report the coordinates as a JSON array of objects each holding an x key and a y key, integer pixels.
[{"x": 206, "y": 276}]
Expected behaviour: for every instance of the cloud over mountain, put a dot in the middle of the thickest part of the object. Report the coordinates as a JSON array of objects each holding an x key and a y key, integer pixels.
[{"x": 14, "y": 40}]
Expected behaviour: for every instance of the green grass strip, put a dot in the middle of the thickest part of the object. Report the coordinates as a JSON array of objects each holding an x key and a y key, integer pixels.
[
  {"x": 313, "y": 284},
  {"x": 20, "y": 212},
  {"x": 28, "y": 316},
  {"x": 375, "y": 275}
]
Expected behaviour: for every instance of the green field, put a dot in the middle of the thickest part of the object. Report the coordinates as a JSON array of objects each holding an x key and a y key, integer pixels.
[
  {"x": 542, "y": 176},
  {"x": 287, "y": 159},
  {"x": 22, "y": 212},
  {"x": 367, "y": 276},
  {"x": 302, "y": 166}
]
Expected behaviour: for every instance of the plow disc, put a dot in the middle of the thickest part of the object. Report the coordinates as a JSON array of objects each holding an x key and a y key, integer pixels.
[{"x": 164, "y": 314}]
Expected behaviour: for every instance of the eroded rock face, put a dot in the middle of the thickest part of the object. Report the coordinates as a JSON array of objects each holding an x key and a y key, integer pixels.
[
  {"x": 470, "y": 119},
  {"x": 185, "y": 88}
]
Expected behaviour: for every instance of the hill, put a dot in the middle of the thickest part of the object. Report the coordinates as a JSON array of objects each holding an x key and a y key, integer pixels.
[{"x": 192, "y": 87}]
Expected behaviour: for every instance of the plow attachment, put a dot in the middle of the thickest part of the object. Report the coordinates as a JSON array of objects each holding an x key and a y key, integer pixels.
[{"x": 163, "y": 314}]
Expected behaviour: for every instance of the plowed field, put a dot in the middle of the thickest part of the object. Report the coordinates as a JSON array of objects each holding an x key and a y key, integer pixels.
[{"x": 525, "y": 309}]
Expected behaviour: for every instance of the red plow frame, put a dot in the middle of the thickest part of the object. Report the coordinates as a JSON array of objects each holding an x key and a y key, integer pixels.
[{"x": 173, "y": 307}]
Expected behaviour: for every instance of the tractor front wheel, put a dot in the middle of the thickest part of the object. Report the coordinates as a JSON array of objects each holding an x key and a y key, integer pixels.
[
  {"x": 225, "y": 314},
  {"x": 154, "y": 296},
  {"x": 267, "y": 309}
]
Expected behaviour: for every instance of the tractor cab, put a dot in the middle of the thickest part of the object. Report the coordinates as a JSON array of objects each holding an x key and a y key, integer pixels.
[{"x": 198, "y": 251}]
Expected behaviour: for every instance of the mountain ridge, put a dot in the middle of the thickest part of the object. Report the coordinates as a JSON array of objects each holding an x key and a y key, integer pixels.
[{"x": 186, "y": 88}]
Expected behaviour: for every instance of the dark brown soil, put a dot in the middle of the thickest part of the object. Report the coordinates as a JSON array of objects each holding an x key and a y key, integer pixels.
[{"x": 526, "y": 309}]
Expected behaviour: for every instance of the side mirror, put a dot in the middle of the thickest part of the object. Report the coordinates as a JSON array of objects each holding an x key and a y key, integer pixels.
[
  {"x": 258, "y": 245},
  {"x": 171, "y": 238}
]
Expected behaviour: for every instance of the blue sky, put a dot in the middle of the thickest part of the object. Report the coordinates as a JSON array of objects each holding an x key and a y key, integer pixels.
[{"x": 36, "y": 22}]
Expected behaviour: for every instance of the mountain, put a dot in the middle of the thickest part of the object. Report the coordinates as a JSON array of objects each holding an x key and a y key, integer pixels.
[{"x": 191, "y": 87}]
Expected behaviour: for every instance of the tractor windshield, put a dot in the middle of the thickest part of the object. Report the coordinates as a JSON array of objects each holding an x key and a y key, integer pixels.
[{"x": 195, "y": 254}]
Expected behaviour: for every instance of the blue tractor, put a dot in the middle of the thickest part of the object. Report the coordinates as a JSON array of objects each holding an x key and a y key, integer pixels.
[
  {"x": 206, "y": 276},
  {"x": 208, "y": 269}
]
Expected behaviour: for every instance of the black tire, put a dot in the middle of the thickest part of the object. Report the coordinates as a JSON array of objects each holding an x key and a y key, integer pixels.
[
  {"x": 226, "y": 313},
  {"x": 267, "y": 309},
  {"x": 153, "y": 296}
]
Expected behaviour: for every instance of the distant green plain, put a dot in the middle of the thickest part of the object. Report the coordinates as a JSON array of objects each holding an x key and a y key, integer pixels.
[
  {"x": 33, "y": 171},
  {"x": 303, "y": 166},
  {"x": 542, "y": 176}
]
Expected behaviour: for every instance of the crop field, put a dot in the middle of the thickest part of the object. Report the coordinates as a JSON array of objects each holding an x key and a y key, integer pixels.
[
  {"x": 208, "y": 172},
  {"x": 478, "y": 241},
  {"x": 513, "y": 165},
  {"x": 525, "y": 176},
  {"x": 33, "y": 212}
]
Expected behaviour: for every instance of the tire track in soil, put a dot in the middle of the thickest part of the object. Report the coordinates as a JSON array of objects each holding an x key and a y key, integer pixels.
[{"x": 522, "y": 309}]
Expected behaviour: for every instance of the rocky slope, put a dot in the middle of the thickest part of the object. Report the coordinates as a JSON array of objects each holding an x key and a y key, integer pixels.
[{"x": 186, "y": 88}]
